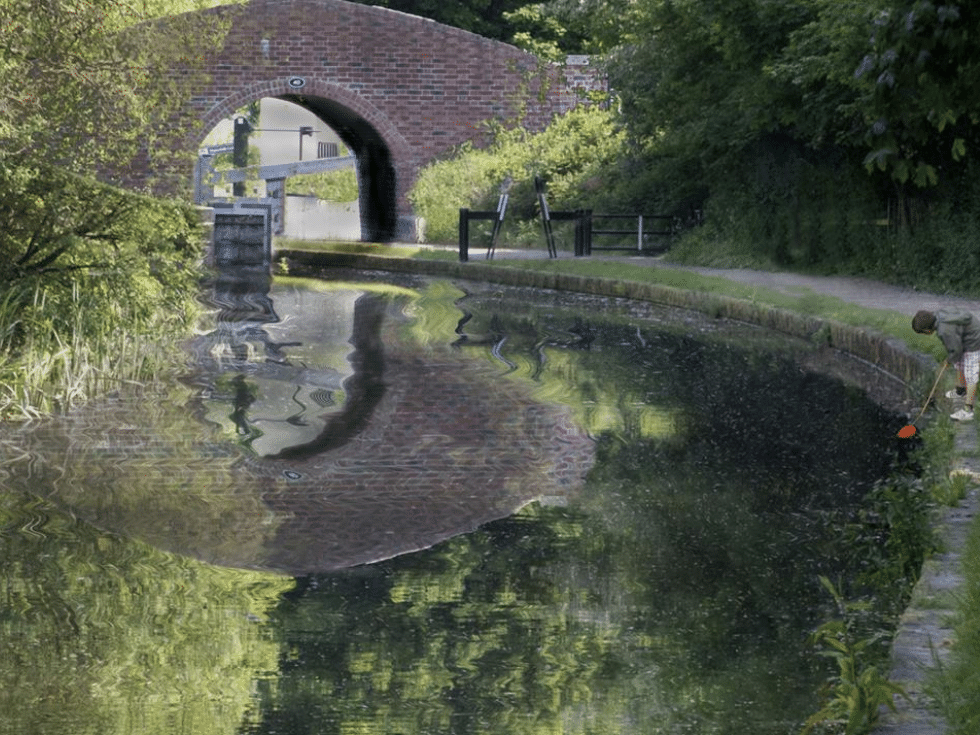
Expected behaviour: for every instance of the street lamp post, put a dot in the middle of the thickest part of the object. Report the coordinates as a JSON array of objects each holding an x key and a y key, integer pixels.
[
  {"x": 304, "y": 130},
  {"x": 240, "y": 151}
]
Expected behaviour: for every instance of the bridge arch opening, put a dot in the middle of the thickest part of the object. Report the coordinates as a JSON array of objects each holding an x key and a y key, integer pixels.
[
  {"x": 376, "y": 179},
  {"x": 379, "y": 191}
]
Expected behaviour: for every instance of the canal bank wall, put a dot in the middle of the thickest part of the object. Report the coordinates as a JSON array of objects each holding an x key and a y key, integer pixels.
[
  {"x": 926, "y": 630},
  {"x": 888, "y": 354}
]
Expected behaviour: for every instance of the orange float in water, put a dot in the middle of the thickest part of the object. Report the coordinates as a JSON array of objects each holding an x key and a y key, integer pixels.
[{"x": 906, "y": 431}]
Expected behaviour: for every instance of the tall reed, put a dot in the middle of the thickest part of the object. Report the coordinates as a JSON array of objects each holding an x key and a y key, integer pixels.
[{"x": 56, "y": 355}]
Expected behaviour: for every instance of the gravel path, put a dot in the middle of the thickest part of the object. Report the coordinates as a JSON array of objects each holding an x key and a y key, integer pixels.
[{"x": 862, "y": 291}]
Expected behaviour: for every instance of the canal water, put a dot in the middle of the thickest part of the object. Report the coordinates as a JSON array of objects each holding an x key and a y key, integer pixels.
[{"x": 431, "y": 508}]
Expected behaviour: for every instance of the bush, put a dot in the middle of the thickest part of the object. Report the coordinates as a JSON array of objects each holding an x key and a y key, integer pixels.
[
  {"x": 786, "y": 207},
  {"x": 95, "y": 284},
  {"x": 576, "y": 155},
  {"x": 330, "y": 186}
]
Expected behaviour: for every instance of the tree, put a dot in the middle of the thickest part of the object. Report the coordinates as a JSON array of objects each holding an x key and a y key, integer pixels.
[
  {"x": 555, "y": 29},
  {"x": 485, "y": 17},
  {"x": 920, "y": 79},
  {"x": 696, "y": 78},
  {"x": 550, "y": 30},
  {"x": 84, "y": 82},
  {"x": 815, "y": 70}
]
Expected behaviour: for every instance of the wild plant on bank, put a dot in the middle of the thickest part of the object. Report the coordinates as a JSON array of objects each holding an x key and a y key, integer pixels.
[
  {"x": 53, "y": 357},
  {"x": 858, "y": 690},
  {"x": 95, "y": 282}
]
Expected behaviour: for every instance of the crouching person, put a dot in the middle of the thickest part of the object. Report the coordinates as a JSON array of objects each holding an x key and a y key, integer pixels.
[{"x": 959, "y": 331}]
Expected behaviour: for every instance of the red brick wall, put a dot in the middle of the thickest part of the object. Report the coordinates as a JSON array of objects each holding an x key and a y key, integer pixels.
[{"x": 420, "y": 86}]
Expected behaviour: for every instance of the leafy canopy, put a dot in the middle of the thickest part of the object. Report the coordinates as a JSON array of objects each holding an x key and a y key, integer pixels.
[{"x": 86, "y": 82}]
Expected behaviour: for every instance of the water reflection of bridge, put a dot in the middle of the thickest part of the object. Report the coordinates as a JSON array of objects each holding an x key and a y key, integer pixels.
[{"x": 422, "y": 442}]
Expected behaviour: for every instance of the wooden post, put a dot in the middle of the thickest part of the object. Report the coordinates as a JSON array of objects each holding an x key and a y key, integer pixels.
[{"x": 587, "y": 250}]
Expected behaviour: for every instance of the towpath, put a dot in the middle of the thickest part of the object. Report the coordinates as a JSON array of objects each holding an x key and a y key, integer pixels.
[{"x": 861, "y": 291}]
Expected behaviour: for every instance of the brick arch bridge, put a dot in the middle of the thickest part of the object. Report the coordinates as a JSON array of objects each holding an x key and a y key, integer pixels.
[{"x": 399, "y": 90}]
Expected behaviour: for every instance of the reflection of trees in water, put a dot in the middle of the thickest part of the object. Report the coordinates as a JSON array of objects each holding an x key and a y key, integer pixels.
[
  {"x": 103, "y": 634},
  {"x": 675, "y": 597}
]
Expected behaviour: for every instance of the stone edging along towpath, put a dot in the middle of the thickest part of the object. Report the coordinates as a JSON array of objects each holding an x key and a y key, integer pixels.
[
  {"x": 888, "y": 354},
  {"x": 925, "y": 630}
]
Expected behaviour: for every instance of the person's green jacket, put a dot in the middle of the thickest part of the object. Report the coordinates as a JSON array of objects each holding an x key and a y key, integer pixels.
[{"x": 959, "y": 332}]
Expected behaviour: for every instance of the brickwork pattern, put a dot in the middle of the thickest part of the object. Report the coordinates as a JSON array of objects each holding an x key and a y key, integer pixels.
[
  {"x": 450, "y": 446},
  {"x": 420, "y": 86}
]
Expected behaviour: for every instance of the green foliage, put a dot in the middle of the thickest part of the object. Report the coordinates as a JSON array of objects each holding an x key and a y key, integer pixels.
[
  {"x": 815, "y": 70},
  {"x": 893, "y": 536},
  {"x": 478, "y": 16},
  {"x": 859, "y": 689},
  {"x": 83, "y": 83},
  {"x": 91, "y": 275},
  {"x": 961, "y": 678},
  {"x": 694, "y": 88},
  {"x": 768, "y": 115},
  {"x": 331, "y": 186},
  {"x": 782, "y": 205},
  {"x": 921, "y": 74},
  {"x": 576, "y": 155},
  {"x": 537, "y": 32}
]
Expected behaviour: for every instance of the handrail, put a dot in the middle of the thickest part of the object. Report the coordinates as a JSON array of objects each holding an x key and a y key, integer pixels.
[{"x": 640, "y": 231}]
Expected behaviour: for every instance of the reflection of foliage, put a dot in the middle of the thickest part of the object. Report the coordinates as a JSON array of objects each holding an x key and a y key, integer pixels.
[
  {"x": 536, "y": 625},
  {"x": 677, "y": 598},
  {"x": 434, "y": 314},
  {"x": 99, "y": 634},
  {"x": 467, "y": 638},
  {"x": 674, "y": 597}
]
